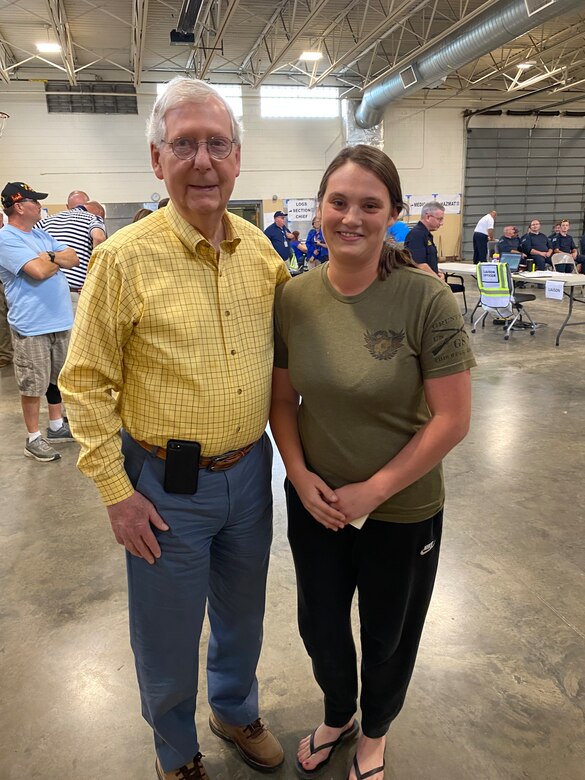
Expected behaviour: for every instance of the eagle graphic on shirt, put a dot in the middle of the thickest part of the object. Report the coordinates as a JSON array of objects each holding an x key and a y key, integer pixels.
[{"x": 383, "y": 344}]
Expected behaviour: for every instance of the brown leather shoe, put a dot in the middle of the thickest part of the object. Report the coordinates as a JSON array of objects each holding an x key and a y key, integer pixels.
[
  {"x": 257, "y": 746},
  {"x": 194, "y": 770}
]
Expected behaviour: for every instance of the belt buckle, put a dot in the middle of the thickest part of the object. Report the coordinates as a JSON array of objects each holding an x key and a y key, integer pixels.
[{"x": 222, "y": 462}]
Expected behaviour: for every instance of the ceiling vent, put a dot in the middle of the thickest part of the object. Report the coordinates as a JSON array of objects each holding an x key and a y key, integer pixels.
[{"x": 408, "y": 77}]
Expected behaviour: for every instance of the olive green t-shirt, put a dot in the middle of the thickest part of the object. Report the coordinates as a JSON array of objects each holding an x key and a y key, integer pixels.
[{"x": 358, "y": 363}]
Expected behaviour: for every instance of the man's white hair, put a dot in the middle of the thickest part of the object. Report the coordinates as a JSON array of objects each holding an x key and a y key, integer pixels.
[
  {"x": 431, "y": 207},
  {"x": 183, "y": 90}
]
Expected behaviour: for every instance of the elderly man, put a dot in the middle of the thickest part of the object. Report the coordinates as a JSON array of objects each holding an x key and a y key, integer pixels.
[
  {"x": 280, "y": 235},
  {"x": 509, "y": 242},
  {"x": 39, "y": 314},
  {"x": 173, "y": 344},
  {"x": 80, "y": 228},
  {"x": 419, "y": 241},
  {"x": 484, "y": 232}
]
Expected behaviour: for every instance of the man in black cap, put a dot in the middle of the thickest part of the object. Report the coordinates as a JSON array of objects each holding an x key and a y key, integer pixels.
[
  {"x": 280, "y": 236},
  {"x": 39, "y": 313}
]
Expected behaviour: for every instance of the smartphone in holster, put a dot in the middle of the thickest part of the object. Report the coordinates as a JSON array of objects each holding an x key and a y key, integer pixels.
[{"x": 182, "y": 466}]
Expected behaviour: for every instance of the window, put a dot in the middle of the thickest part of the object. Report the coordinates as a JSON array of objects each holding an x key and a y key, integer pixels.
[
  {"x": 99, "y": 97},
  {"x": 299, "y": 102},
  {"x": 232, "y": 94}
]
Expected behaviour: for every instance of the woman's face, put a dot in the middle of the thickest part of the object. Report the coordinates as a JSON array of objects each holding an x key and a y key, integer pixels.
[
  {"x": 355, "y": 214},
  {"x": 316, "y": 224}
]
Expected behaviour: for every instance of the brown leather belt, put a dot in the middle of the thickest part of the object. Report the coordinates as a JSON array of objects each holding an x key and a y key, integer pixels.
[
  {"x": 75, "y": 289},
  {"x": 216, "y": 463}
]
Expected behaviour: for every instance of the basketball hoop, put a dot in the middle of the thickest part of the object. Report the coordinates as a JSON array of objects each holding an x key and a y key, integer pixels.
[{"x": 3, "y": 118}]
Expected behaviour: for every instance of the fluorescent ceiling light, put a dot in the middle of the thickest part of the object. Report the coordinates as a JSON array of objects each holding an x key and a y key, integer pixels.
[
  {"x": 48, "y": 48},
  {"x": 526, "y": 65},
  {"x": 311, "y": 56}
]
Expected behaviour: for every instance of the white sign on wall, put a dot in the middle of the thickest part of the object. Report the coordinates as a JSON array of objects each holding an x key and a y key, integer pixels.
[
  {"x": 300, "y": 210},
  {"x": 452, "y": 203}
]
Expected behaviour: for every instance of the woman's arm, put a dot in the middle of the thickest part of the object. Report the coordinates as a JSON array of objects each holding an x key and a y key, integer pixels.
[
  {"x": 315, "y": 494},
  {"x": 449, "y": 401}
]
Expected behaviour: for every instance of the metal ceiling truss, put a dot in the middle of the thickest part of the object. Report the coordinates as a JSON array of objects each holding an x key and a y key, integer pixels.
[
  {"x": 60, "y": 27},
  {"x": 139, "y": 23}
]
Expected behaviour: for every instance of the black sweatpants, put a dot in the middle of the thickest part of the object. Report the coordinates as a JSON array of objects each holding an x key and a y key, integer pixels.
[
  {"x": 393, "y": 567},
  {"x": 480, "y": 248}
]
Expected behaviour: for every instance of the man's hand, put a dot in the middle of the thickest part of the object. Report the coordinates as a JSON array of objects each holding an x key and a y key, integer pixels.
[{"x": 131, "y": 519}]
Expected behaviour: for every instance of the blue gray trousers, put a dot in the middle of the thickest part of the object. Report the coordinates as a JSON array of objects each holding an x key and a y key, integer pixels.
[{"x": 216, "y": 555}]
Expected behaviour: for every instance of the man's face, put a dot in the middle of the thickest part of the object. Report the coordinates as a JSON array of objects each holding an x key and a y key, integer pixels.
[
  {"x": 29, "y": 211},
  {"x": 565, "y": 226},
  {"x": 535, "y": 226},
  {"x": 199, "y": 188},
  {"x": 279, "y": 221},
  {"x": 509, "y": 231},
  {"x": 435, "y": 220}
]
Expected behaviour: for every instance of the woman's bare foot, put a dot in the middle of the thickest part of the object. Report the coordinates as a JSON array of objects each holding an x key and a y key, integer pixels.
[
  {"x": 370, "y": 755},
  {"x": 323, "y": 735}
]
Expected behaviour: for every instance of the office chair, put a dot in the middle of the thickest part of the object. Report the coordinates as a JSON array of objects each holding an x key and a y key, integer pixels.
[{"x": 497, "y": 296}]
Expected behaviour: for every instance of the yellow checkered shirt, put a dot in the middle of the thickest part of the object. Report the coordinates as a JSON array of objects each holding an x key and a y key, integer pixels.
[{"x": 171, "y": 342}]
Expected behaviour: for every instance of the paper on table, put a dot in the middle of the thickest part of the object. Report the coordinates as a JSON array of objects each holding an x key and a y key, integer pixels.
[
  {"x": 535, "y": 274},
  {"x": 359, "y": 521}
]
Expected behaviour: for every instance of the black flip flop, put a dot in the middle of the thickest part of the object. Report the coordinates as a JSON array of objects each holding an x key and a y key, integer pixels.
[
  {"x": 370, "y": 773},
  {"x": 347, "y": 734}
]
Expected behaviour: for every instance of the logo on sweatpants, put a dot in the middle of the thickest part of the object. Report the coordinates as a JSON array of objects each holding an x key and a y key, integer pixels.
[{"x": 427, "y": 548}]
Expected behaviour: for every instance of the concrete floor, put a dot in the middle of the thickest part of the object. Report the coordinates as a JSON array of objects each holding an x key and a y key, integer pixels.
[{"x": 499, "y": 689}]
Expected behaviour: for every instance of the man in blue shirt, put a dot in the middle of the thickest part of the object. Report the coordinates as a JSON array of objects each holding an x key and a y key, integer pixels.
[
  {"x": 562, "y": 242},
  {"x": 280, "y": 236},
  {"x": 536, "y": 246},
  {"x": 509, "y": 242},
  {"x": 419, "y": 240},
  {"x": 39, "y": 313}
]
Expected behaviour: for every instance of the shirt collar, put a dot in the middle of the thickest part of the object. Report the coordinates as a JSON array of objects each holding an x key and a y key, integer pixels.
[{"x": 191, "y": 238}]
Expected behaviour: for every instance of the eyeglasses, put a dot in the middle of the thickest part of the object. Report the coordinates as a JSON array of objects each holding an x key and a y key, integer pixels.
[{"x": 218, "y": 147}]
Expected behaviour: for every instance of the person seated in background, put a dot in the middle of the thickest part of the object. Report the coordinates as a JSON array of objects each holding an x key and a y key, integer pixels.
[
  {"x": 140, "y": 214},
  {"x": 300, "y": 249},
  {"x": 397, "y": 233},
  {"x": 509, "y": 242},
  {"x": 556, "y": 229},
  {"x": 536, "y": 246},
  {"x": 562, "y": 242},
  {"x": 162, "y": 203},
  {"x": 313, "y": 251}
]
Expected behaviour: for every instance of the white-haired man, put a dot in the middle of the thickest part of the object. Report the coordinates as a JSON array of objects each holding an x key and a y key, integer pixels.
[
  {"x": 176, "y": 317},
  {"x": 419, "y": 240}
]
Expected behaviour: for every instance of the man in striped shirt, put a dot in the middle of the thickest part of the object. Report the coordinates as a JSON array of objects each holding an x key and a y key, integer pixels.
[{"x": 82, "y": 229}]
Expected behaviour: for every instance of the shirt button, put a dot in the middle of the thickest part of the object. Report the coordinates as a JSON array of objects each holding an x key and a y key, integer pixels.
[
  {"x": 227, "y": 313},
  {"x": 239, "y": 391},
  {"x": 232, "y": 352},
  {"x": 238, "y": 429}
]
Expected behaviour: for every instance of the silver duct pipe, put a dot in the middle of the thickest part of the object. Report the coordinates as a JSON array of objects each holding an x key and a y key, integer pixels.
[{"x": 498, "y": 25}]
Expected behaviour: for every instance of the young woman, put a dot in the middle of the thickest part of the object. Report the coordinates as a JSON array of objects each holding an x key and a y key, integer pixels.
[{"x": 385, "y": 390}]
